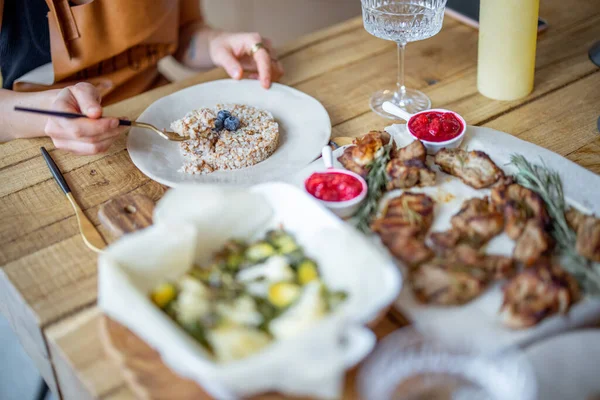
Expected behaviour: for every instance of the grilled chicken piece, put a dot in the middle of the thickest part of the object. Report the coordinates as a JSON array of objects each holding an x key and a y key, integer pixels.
[
  {"x": 587, "y": 228},
  {"x": 446, "y": 240},
  {"x": 496, "y": 266},
  {"x": 410, "y": 250},
  {"x": 348, "y": 162},
  {"x": 407, "y": 167},
  {"x": 403, "y": 227},
  {"x": 447, "y": 283},
  {"x": 357, "y": 157},
  {"x": 533, "y": 243},
  {"x": 475, "y": 224},
  {"x": 414, "y": 151},
  {"x": 475, "y": 168},
  {"x": 407, "y": 174},
  {"x": 478, "y": 220},
  {"x": 588, "y": 239},
  {"x": 537, "y": 293},
  {"x": 519, "y": 205},
  {"x": 411, "y": 213},
  {"x": 575, "y": 218}
]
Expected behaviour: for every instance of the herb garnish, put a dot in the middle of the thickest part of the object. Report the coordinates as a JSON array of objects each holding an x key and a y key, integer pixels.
[
  {"x": 547, "y": 183},
  {"x": 376, "y": 182}
]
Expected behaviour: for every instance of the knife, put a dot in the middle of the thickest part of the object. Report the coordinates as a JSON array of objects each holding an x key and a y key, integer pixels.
[{"x": 91, "y": 236}]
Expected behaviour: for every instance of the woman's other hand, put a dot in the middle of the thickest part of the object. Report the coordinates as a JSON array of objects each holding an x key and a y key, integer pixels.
[
  {"x": 81, "y": 135},
  {"x": 233, "y": 52}
]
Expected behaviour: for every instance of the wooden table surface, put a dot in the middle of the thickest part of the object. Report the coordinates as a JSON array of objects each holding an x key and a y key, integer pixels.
[{"x": 48, "y": 277}]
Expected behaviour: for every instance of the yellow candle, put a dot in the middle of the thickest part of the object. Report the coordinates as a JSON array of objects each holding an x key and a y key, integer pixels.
[{"x": 507, "y": 40}]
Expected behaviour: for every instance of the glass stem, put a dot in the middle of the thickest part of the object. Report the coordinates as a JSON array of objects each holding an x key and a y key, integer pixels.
[{"x": 400, "y": 94}]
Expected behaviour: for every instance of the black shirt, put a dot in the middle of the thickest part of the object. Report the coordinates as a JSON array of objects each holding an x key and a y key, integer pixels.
[{"x": 24, "y": 39}]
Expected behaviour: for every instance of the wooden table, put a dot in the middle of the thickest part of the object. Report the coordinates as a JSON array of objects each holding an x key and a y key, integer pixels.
[{"x": 48, "y": 277}]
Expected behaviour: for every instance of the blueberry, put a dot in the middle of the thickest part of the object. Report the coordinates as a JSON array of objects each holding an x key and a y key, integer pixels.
[
  {"x": 232, "y": 124},
  {"x": 223, "y": 115},
  {"x": 218, "y": 124}
]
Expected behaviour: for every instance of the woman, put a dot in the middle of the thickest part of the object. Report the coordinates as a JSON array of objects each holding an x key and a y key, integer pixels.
[{"x": 68, "y": 55}]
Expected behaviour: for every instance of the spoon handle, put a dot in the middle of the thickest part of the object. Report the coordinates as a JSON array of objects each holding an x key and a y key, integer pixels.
[
  {"x": 395, "y": 110},
  {"x": 122, "y": 122},
  {"x": 327, "y": 155}
]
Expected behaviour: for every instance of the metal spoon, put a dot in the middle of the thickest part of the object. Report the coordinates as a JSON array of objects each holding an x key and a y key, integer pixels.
[{"x": 168, "y": 135}]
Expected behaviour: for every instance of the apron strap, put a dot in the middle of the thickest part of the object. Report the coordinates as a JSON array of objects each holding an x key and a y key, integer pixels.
[{"x": 67, "y": 27}]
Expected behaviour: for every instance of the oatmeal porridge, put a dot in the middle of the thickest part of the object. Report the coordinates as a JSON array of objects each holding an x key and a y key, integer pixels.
[{"x": 226, "y": 137}]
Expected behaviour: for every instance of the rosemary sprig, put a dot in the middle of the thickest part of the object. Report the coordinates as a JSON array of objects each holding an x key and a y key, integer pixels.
[
  {"x": 547, "y": 183},
  {"x": 376, "y": 181}
]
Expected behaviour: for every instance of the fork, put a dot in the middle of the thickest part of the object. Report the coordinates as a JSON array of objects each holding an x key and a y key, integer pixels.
[{"x": 168, "y": 135}]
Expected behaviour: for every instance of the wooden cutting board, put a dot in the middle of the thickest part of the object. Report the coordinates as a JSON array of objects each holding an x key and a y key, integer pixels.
[{"x": 148, "y": 377}]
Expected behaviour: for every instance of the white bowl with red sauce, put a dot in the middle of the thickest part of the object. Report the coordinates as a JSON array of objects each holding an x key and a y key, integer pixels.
[
  {"x": 341, "y": 191},
  {"x": 436, "y": 128}
]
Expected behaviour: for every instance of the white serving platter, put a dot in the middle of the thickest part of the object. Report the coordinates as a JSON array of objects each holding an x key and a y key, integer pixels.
[
  {"x": 479, "y": 320},
  {"x": 566, "y": 366}
]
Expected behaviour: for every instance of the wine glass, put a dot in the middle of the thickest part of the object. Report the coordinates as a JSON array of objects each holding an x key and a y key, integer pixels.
[{"x": 402, "y": 21}]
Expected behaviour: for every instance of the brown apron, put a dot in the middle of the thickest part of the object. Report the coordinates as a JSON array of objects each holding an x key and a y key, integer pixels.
[{"x": 113, "y": 44}]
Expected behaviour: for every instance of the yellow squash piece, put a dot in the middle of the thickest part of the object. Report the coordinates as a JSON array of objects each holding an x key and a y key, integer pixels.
[
  {"x": 163, "y": 294},
  {"x": 307, "y": 272},
  {"x": 259, "y": 251},
  {"x": 282, "y": 294}
]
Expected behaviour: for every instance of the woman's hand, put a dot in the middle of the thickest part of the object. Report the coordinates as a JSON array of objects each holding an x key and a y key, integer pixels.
[
  {"x": 232, "y": 51},
  {"x": 81, "y": 135}
]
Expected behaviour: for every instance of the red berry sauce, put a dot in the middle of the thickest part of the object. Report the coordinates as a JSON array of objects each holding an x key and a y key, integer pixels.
[
  {"x": 333, "y": 186},
  {"x": 435, "y": 126}
]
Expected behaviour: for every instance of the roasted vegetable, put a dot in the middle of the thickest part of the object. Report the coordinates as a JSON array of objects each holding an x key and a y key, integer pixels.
[
  {"x": 307, "y": 272},
  {"x": 163, "y": 294},
  {"x": 282, "y": 294},
  {"x": 259, "y": 252},
  {"x": 295, "y": 258},
  {"x": 249, "y": 295},
  {"x": 235, "y": 261},
  {"x": 283, "y": 242},
  {"x": 334, "y": 299}
]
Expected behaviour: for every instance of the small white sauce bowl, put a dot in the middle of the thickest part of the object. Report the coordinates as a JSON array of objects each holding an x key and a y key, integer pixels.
[
  {"x": 432, "y": 147},
  {"x": 346, "y": 208}
]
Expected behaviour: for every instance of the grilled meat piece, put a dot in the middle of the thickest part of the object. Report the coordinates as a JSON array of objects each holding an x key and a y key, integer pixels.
[
  {"x": 357, "y": 157},
  {"x": 401, "y": 176},
  {"x": 496, "y": 266},
  {"x": 588, "y": 239},
  {"x": 447, "y": 283},
  {"x": 519, "y": 205},
  {"x": 411, "y": 213},
  {"x": 587, "y": 228},
  {"x": 414, "y": 151},
  {"x": 533, "y": 243},
  {"x": 478, "y": 220},
  {"x": 575, "y": 218},
  {"x": 407, "y": 167},
  {"x": 475, "y": 168},
  {"x": 537, "y": 293},
  {"x": 347, "y": 160},
  {"x": 403, "y": 227},
  {"x": 407, "y": 174},
  {"x": 446, "y": 240},
  {"x": 410, "y": 250},
  {"x": 475, "y": 224}
]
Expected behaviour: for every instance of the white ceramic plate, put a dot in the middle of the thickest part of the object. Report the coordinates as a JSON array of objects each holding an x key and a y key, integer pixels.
[
  {"x": 566, "y": 366},
  {"x": 479, "y": 319},
  {"x": 304, "y": 126}
]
